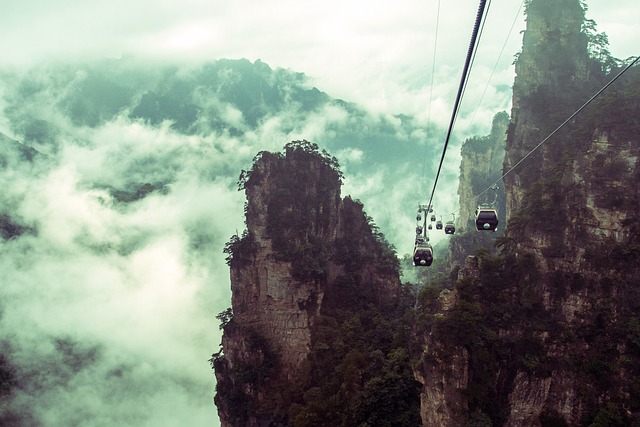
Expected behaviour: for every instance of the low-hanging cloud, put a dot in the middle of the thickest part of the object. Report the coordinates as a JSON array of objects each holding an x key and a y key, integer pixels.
[
  {"x": 108, "y": 307},
  {"x": 110, "y": 294}
]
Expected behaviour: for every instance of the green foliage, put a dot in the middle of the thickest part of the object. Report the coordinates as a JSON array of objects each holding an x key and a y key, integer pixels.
[
  {"x": 612, "y": 255},
  {"x": 610, "y": 416},
  {"x": 239, "y": 250},
  {"x": 550, "y": 418},
  {"x": 598, "y": 45},
  {"x": 363, "y": 243},
  {"x": 503, "y": 297},
  {"x": 504, "y": 326},
  {"x": 544, "y": 209},
  {"x": 616, "y": 109},
  {"x": 633, "y": 333},
  {"x": 360, "y": 373},
  {"x": 232, "y": 391},
  {"x": 310, "y": 260},
  {"x": 307, "y": 182},
  {"x": 428, "y": 297},
  {"x": 479, "y": 419},
  {"x": 8, "y": 378},
  {"x": 139, "y": 192},
  {"x": 500, "y": 318},
  {"x": 299, "y": 214},
  {"x": 295, "y": 151},
  {"x": 225, "y": 317}
]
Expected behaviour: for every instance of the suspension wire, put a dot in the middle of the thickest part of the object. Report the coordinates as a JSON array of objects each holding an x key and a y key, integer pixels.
[
  {"x": 598, "y": 93},
  {"x": 563, "y": 124},
  {"x": 473, "y": 58},
  {"x": 433, "y": 70},
  {"x": 495, "y": 66},
  {"x": 465, "y": 72}
]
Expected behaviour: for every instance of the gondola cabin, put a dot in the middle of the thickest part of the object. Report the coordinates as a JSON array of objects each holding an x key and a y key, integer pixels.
[
  {"x": 439, "y": 225},
  {"x": 449, "y": 228},
  {"x": 486, "y": 219},
  {"x": 433, "y": 217},
  {"x": 422, "y": 255}
]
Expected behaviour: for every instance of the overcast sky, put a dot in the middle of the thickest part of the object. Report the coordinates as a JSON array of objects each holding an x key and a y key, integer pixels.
[
  {"x": 148, "y": 310},
  {"x": 375, "y": 52}
]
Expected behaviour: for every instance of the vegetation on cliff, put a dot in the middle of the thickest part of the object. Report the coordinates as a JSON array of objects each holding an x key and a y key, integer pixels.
[
  {"x": 526, "y": 328},
  {"x": 359, "y": 367},
  {"x": 506, "y": 326},
  {"x": 357, "y": 370},
  {"x": 549, "y": 336}
]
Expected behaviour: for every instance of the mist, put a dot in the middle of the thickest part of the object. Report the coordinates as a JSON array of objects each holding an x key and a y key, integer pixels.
[{"x": 115, "y": 272}]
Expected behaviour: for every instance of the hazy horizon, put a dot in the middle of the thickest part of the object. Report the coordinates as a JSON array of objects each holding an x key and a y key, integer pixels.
[{"x": 108, "y": 308}]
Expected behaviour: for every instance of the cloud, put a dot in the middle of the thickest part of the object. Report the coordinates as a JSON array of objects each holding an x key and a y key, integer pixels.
[
  {"x": 118, "y": 298},
  {"x": 379, "y": 55},
  {"x": 350, "y": 155}
]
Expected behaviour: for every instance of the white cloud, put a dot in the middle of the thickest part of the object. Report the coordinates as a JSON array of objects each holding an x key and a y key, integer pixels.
[
  {"x": 350, "y": 155},
  {"x": 379, "y": 54},
  {"x": 143, "y": 282}
]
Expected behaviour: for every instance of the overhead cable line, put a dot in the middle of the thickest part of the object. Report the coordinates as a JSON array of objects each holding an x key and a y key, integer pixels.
[
  {"x": 495, "y": 66},
  {"x": 433, "y": 70},
  {"x": 463, "y": 79},
  {"x": 473, "y": 58},
  {"x": 589, "y": 101}
]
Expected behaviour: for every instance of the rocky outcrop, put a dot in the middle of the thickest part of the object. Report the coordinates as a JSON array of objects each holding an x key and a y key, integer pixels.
[
  {"x": 547, "y": 331},
  {"x": 443, "y": 372},
  {"x": 480, "y": 167},
  {"x": 551, "y": 82},
  {"x": 573, "y": 192},
  {"x": 302, "y": 238}
]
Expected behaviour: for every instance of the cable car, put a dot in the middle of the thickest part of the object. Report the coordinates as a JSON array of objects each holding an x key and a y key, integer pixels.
[
  {"x": 422, "y": 254},
  {"x": 430, "y": 227},
  {"x": 439, "y": 225},
  {"x": 433, "y": 217},
  {"x": 419, "y": 230},
  {"x": 449, "y": 228},
  {"x": 486, "y": 219}
]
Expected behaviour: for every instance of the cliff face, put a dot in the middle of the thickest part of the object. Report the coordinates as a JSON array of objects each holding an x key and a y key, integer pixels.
[
  {"x": 480, "y": 166},
  {"x": 551, "y": 81},
  {"x": 577, "y": 190},
  {"x": 302, "y": 242},
  {"x": 546, "y": 333}
]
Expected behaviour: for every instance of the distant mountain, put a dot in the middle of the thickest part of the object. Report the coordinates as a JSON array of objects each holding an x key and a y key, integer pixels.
[
  {"x": 223, "y": 96},
  {"x": 14, "y": 151},
  {"x": 234, "y": 107},
  {"x": 546, "y": 331},
  {"x": 112, "y": 239}
]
